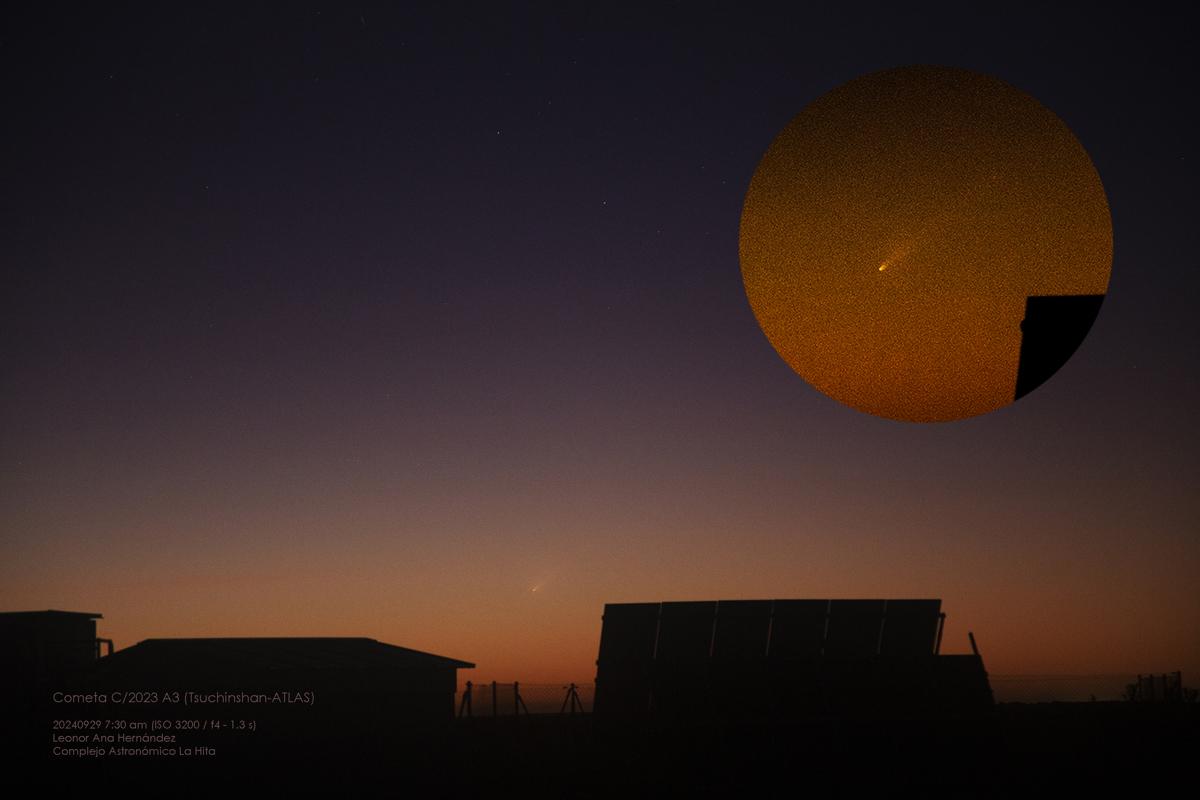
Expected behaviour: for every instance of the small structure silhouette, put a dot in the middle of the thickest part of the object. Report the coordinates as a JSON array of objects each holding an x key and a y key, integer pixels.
[{"x": 47, "y": 647}]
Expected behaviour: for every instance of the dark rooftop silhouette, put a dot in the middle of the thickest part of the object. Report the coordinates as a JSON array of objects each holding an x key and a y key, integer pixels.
[
  {"x": 334, "y": 692},
  {"x": 46, "y": 646},
  {"x": 353, "y": 672},
  {"x": 282, "y": 653},
  {"x": 49, "y": 613}
]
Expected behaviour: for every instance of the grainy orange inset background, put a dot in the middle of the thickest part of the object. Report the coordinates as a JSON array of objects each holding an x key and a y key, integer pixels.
[{"x": 893, "y": 230}]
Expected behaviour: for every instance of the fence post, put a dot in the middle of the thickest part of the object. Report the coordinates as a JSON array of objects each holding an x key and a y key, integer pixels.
[
  {"x": 466, "y": 702},
  {"x": 495, "y": 711}
]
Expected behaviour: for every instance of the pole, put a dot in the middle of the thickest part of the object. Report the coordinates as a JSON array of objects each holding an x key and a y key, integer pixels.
[
  {"x": 518, "y": 702},
  {"x": 466, "y": 701}
]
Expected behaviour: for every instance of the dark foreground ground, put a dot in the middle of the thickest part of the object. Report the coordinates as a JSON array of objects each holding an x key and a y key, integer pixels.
[{"x": 1060, "y": 749}]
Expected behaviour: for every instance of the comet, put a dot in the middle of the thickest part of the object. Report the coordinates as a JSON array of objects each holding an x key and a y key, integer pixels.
[{"x": 897, "y": 255}]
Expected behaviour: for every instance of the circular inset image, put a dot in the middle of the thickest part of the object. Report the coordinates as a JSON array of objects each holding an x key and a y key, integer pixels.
[{"x": 926, "y": 243}]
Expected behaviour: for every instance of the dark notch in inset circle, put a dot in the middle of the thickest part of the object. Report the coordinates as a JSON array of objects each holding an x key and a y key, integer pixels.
[{"x": 1053, "y": 328}]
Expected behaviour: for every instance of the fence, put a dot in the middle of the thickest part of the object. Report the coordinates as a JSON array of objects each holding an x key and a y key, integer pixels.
[
  {"x": 507, "y": 699},
  {"x": 1060, "y": 688}
]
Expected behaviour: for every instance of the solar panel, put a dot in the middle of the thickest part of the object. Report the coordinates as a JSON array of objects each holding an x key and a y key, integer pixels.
[
  {"x": 627, "y": 633},
  {"x": 910, "y": 627},
  {"x": 621, "y": 695},
  {"x": 854, "y": 627},
  {"x": 795, "y": 685},
  {"x": 691, "y": 660},
  {"x": 685, "y": 632},
  {"x": 742, "y": 629},
  {"x": 797, "y": 628},
  {"x": 623, "y": 667}
]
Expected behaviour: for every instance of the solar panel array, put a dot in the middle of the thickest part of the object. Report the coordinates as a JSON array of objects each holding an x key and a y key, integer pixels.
[{"x": 663, "y": 654}]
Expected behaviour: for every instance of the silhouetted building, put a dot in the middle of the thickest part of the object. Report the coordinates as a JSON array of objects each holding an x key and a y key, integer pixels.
[
  {"x": 1053, "y": 328},
  {"x": 42, "y": 648},
  {"x": 313, "y": 683},
  {"x": 781, "y": 659}
]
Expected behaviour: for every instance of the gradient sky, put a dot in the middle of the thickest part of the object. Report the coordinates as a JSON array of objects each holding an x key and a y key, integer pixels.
[{"x": 334, "y": 321}]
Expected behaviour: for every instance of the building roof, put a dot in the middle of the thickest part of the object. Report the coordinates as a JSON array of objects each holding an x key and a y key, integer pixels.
[
  {"x": 50, "y": 612},
  {"x": 284, "y": 653}
]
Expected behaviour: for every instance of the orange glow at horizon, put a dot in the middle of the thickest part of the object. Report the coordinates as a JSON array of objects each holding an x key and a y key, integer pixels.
[{"x": 1030, "y": 614}]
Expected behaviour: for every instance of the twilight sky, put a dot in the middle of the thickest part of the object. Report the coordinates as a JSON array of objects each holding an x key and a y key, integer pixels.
[{"x": 337, "y": 321}]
